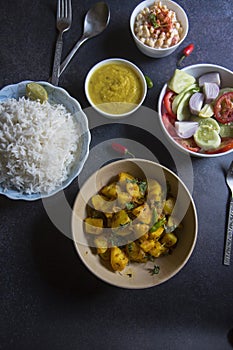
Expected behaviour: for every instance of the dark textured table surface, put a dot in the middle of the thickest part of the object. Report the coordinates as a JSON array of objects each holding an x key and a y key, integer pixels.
[{"x": 48, "y": 299}]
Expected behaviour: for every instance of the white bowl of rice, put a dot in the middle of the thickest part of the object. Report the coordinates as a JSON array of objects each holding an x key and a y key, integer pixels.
[{"x": 43, "y": 146}]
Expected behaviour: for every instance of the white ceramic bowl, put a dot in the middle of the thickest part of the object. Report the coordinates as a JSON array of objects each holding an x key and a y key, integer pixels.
[
  {"x": 196, "y": 71},
  {"x": 128, "y": 109},
  {"x": 136, "y": 275},
  {"x": 56, "y": 95},
  {"x": 162, "y": 52}
]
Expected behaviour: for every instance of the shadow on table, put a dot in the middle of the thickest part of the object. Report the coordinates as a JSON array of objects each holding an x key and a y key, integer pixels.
[
  {"x": 230, "y": 337},
  {"x": 59, "y": 265}
]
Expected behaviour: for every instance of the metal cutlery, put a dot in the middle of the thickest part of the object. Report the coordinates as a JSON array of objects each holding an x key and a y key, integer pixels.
[
  {"x": 96, "y": 20},
  {"x": 64, "y": 20},
  {"x": 228, "y": 243}
]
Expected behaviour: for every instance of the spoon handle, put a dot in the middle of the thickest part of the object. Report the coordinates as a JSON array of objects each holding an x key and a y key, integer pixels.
[{"x": 68, "y": 58}]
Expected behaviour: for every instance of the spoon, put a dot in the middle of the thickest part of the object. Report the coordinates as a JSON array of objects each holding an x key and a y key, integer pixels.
[{"x": 96, "y": 20}]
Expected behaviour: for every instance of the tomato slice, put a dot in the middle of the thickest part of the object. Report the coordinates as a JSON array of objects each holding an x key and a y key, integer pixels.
[
  {"x": 189, "y": 144},
  {"x": 223, "y": 109},
  {"x": 167, "y": 101},
  {"x": 226, "y": 145},
  {"x": 168, "y": 122}
]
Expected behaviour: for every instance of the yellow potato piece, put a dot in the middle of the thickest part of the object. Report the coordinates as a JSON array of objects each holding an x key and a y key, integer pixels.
[
  {"x": 158, "y": 250},
  {"x": 101, "y": 244},
  {"x": 154, "y": 190},
  {"x": 102, "y": 204},
  {"x": 123, "y": 198},
  {"x": 123, "y": 177},
  {"x": 135, "y": 253},
  {"x": 94, "y": 225},
  {"x": 156, "y": 234},
  {"x": 147, "y": 245},
  {"x": 169, "y": 239},
  {"x": 119, "y": 259},
  {"x": 120, "y": 219},
  {"x": 143, "y": 213},
  {"x": 110, "y": 191},
  {"x": 169, "y": 206},
  {"x": 133, "y": 189}
]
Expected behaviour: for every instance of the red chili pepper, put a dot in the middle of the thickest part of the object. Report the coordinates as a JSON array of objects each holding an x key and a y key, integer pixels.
[
  {"x": 121, "y": 149},
  {"x": 186, "y": 52}
]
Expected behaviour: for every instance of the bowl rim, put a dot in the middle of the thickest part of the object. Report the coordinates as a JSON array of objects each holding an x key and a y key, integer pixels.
[
  {"x": 195, "y": 231},
  {"x": 105, "y": 62},
  {"x": 159, "y": 106},
  {"x": 17, "y": 195},
  {"x": 153, "y": 49}
]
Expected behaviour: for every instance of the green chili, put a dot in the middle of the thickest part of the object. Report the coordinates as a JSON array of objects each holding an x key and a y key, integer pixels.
[{"x": 149, "y": 82}]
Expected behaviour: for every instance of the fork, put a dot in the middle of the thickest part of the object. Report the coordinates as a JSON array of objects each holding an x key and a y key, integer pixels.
[
  {"x": 64, "y": 19},
  {"x": 228, "y": 243}
]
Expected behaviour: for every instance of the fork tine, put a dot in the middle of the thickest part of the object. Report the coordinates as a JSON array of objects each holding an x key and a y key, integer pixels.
[
  {"x": 59, "y": 9},
  {"x": 63, "y": 8},
  {"x": 69, "y": 9}
]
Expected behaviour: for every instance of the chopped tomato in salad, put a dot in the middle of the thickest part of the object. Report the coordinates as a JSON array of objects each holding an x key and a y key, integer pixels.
[
  {"x": 223, "y": 109},
  {"x": 189, "y": 144},
  {"x": 167, "y": 101},
  {"x": 226, "y": 145},
  {"x": 168, "y": 122}
]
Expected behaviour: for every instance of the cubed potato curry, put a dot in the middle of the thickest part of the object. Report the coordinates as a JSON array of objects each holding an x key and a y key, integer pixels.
[{"x": 131, "y": 220}]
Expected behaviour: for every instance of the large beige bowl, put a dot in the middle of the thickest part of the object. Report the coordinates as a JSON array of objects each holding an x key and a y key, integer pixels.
[
  {"x": 160, "y": 52},
  {"x": 196, "y": 71},
  {"x": 137, "y": 275}
]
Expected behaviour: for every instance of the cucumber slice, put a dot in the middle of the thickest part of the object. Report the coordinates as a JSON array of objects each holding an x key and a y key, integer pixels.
[
  {"x": 206, "y": 112},
  {"x": 224, "y": 90},
  {"x": 180, "y": 81},
  {"x": 226, "y": 130},
  {"x": 192, "y": 88},
  {"x": 207, "y": 138},
  {"x": 211, "y": 123},
  {"x": 183, "y": 111}
]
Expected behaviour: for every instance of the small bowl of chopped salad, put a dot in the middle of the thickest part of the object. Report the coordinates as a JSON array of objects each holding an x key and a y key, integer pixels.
[
  {"x": 158, "y": 27},
  {"x": 196, "y": 110}
]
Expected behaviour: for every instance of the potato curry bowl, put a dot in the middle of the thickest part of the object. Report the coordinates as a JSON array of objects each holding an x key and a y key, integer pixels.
[{"x": 134, "y": 223}]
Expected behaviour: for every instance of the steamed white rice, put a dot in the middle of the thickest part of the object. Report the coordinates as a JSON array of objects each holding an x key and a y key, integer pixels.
[{"x": 38, "y": 145}]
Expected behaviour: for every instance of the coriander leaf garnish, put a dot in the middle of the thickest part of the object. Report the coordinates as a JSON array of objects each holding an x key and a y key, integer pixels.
[
  {"x": 142, "y": 186},
  {"x": 155, "y": 270},
  {"x": 129, "y": 205},
  {"x": 152, "y": 20}
]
